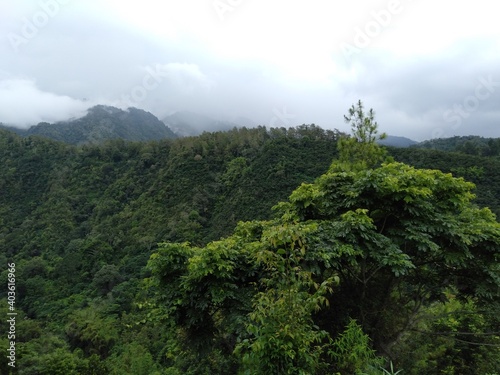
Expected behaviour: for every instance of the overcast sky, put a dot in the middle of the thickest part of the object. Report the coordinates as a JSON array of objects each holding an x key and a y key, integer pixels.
[{"x": 428, "y": 69}]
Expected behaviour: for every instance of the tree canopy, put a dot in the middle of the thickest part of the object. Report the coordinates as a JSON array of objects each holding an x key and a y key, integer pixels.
[
  {"x": 369, "y": 250},
  {"x": 371, "y": 262}
]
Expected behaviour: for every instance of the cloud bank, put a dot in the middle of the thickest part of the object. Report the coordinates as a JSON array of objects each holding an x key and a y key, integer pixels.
[
  {"x": 23, "y": 104},
  {"x": 280, "y": 63}
]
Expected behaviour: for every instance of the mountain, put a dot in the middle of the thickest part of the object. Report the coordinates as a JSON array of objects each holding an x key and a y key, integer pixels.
[
  {"x": 471, "y": 144},
  {"x": 80, "y": 224},
  {"x": 395, "y": 141},
  {"x": 185, "y": 123},
  {"x": 103, "y": 123}
]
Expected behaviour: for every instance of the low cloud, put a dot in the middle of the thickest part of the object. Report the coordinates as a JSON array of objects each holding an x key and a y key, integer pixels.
[
  {"x": 186, "y": 78},
  {"x": 24, "y": 104},
  {"x": 174, "y": 84}
]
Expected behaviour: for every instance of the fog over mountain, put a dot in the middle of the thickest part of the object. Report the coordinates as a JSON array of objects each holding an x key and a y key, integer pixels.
[
  {"x": 102, "y": 123},
  {"x": 274, "y": 63}
]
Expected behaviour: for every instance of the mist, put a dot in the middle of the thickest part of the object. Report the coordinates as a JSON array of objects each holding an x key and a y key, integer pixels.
[
  {"x": 275, "y": 64},
  {"x": 24, "y": 105}
]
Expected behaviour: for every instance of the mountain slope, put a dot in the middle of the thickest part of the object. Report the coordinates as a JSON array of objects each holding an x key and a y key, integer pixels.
[
  {"x": 103, "y": 123},
  {"x": 482, "y": 171},
  {"x": 80, "y": 223},
  {"x": 472, "y": 145},
  {"x": 395, "y": 141}
]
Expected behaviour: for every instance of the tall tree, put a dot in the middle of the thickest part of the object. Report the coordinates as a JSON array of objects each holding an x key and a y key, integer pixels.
[
  {"x": 360, "y": 148},
  {"x": 374, "y": 243}
]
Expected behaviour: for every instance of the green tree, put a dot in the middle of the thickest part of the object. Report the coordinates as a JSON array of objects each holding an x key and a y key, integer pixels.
[
  {"x": 360, "y": 148},
  {"x": 71, "y": 217},
  {"x": 106, "y": 278},
  {"x": 93, "y": 331},
  {"x": 283, "y": 337},
  {"x": 398, "y": 240},
  {"x": 133, "y": 360},
  {"x": 402, "y": 237},
  {"x": 352, "y": 353}
]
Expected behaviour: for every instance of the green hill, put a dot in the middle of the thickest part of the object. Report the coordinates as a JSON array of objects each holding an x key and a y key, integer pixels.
[
  {"x": 80, "y": 223},
  {"x": 471, "y": 145},
  {"x": 396, "y": 141},
  {"x": 103, "y": 123},
  {"x": 484, "y": 172}
]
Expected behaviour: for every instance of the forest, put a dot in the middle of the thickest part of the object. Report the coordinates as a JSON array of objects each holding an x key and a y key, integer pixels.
[{"x": 251, "y": 251}]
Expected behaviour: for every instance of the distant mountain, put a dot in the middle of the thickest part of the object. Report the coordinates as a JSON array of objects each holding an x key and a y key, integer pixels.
[
  {"x": 103, "y": 123},
  {"x": 471, "y": 144},
  {"x": 395, "y": 141},
  {"x": 185, "y": 123},
  {"x": 13, "y": 129}
]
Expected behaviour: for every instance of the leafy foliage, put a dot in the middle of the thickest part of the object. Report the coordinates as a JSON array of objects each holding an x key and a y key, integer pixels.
[
  {"x": 395, "y": 238},
  {"x": 471, "y": 145},
  {"x": 402, "y": 251},
  {"x": 482, "y": 171},
  {"x": 352, "y": 354},
  {"x": 361, "y": 147},
  {"x": 103, "y": 123},
  {"x": 81, "y": 222}
]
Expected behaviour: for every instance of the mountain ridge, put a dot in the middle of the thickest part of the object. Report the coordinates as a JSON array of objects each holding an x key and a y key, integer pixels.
[
  {"x": 397, "y": 141},
  {"x": 102, "y": 123}
]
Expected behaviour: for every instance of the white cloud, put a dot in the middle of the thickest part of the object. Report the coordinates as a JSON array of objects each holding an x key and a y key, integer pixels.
[
  {"x": 262, "y": 56},
  {"x": 185, "y": 78},
  {"x": 23, "y": 104}
]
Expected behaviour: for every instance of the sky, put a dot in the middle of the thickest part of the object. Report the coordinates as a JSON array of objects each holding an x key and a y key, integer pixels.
[{"x": 428, "y": 69}]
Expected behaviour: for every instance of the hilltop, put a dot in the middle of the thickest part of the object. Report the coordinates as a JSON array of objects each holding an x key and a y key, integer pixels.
[{"x": 103, "y": 123}]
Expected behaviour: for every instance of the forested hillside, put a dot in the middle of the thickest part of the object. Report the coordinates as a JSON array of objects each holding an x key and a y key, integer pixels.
[
  {"x": 81, "y": 222},
  {"x": 482, "y": 171},
  {"x": 471, "y": 145},
  {"x": 102, "y": 123}
]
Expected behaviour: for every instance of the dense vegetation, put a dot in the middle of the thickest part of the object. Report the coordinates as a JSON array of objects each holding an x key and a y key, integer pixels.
[
  {"x": 102, "y": 123},
  {"x": 80, "y": 222},
  {"x": 471, "y": 145},
  {"x": 482, "y": 171},
  {"x": 362, "y": 265}
]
